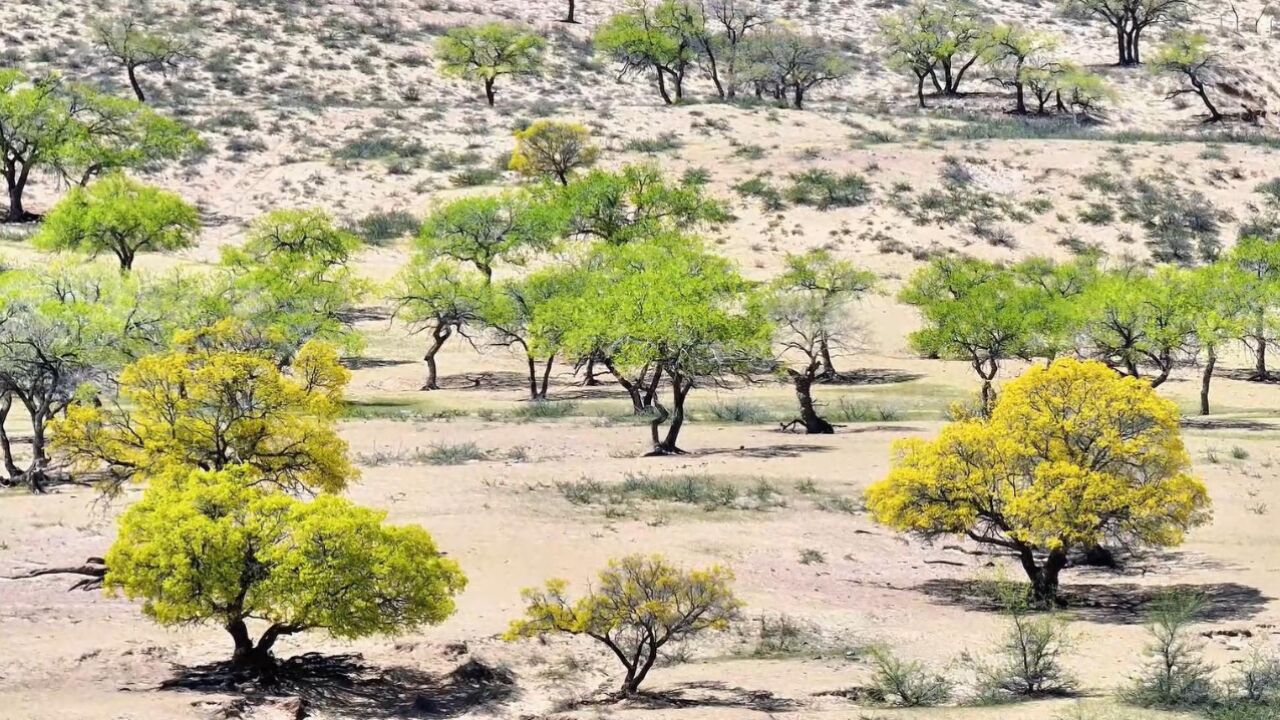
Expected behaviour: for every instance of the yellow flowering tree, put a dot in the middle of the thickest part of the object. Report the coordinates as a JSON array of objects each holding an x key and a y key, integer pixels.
[
  {"x": 639, "y": 604},
  {"x": 220, "y": 546},
  {"x": 553, "y": 147},
  {"x": 1072, "y": 456},
  {"x": 208, "y": 409}
]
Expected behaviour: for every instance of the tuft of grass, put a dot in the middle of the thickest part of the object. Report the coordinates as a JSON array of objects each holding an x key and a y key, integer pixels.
[
  {"x": 665, "y": 142},
  {"x": 705, "y": 491},
  {"x": 454, "y": 454},
  {"x": 856, "y": 411},
  {"x": 738, "y": 410},
  {"x": 544, "y": 409}
]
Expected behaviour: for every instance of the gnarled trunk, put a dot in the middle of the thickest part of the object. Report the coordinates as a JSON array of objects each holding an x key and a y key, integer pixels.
[
  {"x": 814, "y": 424},
  {"x": 1205, "y": 380},
  {"x": 1043, "y": 577},
  {"x": 439, "y": 335},
  {"x": 680, "y": 387}
]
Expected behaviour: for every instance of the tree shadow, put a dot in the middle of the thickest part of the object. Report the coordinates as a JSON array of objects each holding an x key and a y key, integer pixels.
[
  {"x": 872, "y": 376},
  {"x": 346, "y": 685},
  {"x": 699, "y": 694},
  {"x": 367, "y": 363},
  {"x": 1247, "y": 375},
  {"x": 781, "y": 450},
  {"x": 1110, "y": 603},
  {"x": 1227, "y": 424}
]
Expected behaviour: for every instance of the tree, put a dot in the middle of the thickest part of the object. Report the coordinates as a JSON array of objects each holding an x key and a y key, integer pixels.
[
  {"x": 552, "y": 147},
  {"x": 669, "y": 306},
  {"x": 1219, "y": 310},
  {"x": 439, "y": 297},
  {"x": 210, "y": 409},
  {"x": 938, "y": 42},
  {"x": 63, "y": 332},
  {"x": 483, "y": 231},
  {"x": 1131, "y": 319},
  {"x": 570, "y": 17},
  {"x": 634, "y": 203},
  {"x": 76, "y": 133},
  {"x": 291, "y": 282},
  {"x": 134, "y": 49},
  {"x": 489, "y": 51},
  {"x": 734, "y": 19},
  {"x": 1258, "y": 262},
  {"x": 648, "y": 39},
  {"x": 638, "y": 606},
  {"x": 1018, "y": 56},
  {"x": 786, "y": 64},
  {"x": 511, "y": 313},
  {"x": 977, "y": 312},
  {"x": 833, "y": 284},
  {"x": 1129, "y": 18},
  {"x": 219, "y": 546},
  {"x": 1071, "y": 457},
  {"x": 1186, "y": 54},
  {"x": 122, "y": 216}
]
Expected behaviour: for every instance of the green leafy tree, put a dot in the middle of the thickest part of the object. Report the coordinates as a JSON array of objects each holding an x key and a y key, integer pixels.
[
  {"x": 553, "y": 147},
  {"x": 441, "y": 298},
  {"x": 634, "y": 203},
  {"x": 1187, "y": 56},
  {"x": 977, "y": 312},
  {"x": 122, "y": 216},
  {"x": 786, "y": 65},
  {"x": 135, "y": 48},
  {"x": 1258, "y": 262},
  {"x": 939, "y": 42},
  {"x": 1219, "y": 310},
  {"x": 76, "y": 133},
  {"x": 63, "y": 332},
  {"x": 291, "y": 282},
  {"x": 670, "y": 306},
  {"x": 217, "y": 546},
  {"x": 1129, "y": 18},
  {"x": 652, "y": 38},
  {"x": 489, "y": 51},
  {"x": 483, "y": 231},
  {"x": 1135, "y": 321},
  {"x": 1019, "y": 56},
  {"x": 511, "y": 315},
  {"x": 638, "y": 605}
]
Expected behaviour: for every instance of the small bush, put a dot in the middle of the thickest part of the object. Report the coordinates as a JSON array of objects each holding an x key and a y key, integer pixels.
[
  {"x": 906, "y": 683},
  {"x": 1176, "y": 676},
  {"x": 824, "y": 189},
  {"x": 738, "y": 410},
  {"x": 665, "y": 142},
  {"x": 1028, "y": 659},
  {"x": 445, "y": 454},
  {"x": 856, "y": 411},
  {"x": 382, "y": 227},
  {"x": 543, "y": 409}
]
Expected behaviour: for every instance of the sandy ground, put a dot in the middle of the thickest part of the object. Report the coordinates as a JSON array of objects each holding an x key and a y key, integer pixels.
[{"x": 280, "y": 95}]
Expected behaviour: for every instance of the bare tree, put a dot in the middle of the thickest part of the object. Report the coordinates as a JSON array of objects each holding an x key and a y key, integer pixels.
[
  {"x": 733, "y": 20},
  {"x": 1129, "y": 18},
  {"x": 134, "y": 48}
]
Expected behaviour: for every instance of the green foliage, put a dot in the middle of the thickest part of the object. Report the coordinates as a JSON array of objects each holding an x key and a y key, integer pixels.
[
  {"x": 651, "y": 38},
  {"x": 217, "y": 546},
  {"x": 1133, "y": 320},
  {"x": 134, "y": 48},
  {"x": 638, "y": 605},
  {"x": 907, "y": 683},
  {"x": 635, "y": 203},
  {"x": 291, "y": 282},
  {"x": 1177, "y": 676},
  {"x": 786, "y": 65},
  {"x": 76, "y": 132},
  {"x": 382, "y": 227},
  {"x": 825, "y": 190},
  {"x": 939, "y": 41},
  {"x": 484, "y": 231},
  {"x": 488, "y": 51},
  {"x": 122, "y": 216},
  {"x": 1028, "y": 658}
]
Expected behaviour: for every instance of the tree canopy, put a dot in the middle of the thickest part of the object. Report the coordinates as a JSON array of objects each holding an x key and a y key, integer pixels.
[
  {"x": 121, "y": 216},
  {"x": 489, "y": 51},
  {"x": 1072, "y": 456}
]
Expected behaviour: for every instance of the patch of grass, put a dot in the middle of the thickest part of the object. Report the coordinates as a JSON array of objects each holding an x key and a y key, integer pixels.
[
  {"x": 454, "y": 454},
  {"x": 812, "y": 556},
  {"x": 705, "y": 491},
  {"x": 383, "y": 227},
  {"x": 858, "y": 411},
  {"x": 824, "y": 189},
  {"x": 665, "y": 142},
  {"x": 739, "y": 410},
  {"x": 544, "y": 410}
]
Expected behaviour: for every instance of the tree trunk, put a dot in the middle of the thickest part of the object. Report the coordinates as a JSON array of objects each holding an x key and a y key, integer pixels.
[
  {"x": 828, "y": 367},
  {"x": 920, "y": 90},
  {"x": 546, "y": 378},
  {"x": 1260, "y": 358},
  {"x": 715, "y": 72},
  {"x": 651, "y": 392},
  {"x": 1021, "y": 106},
  {"x": 570, "y": 18},
  {"x": 1205, "y": 379},
  {"x": 256, "y": 659},
  {"x": 17, "y": 182},
  {"x": 1044, "y": 578},
  {"x": 591, "y": 380},
  {"x": 39, "y": 460},
  {"x": 10, "y": 467},
  {"x": 133, "y": 83},
  {"x": 814, "y": 424},
  {"x": 438, "y": 337},
  {"x": 662, "y": 85},
  {"x": 679, "y": 391},
  {"x": 488, "y": 91},
  {"x": 799, "y": 97},
  {"x": 633, "y": 390}
]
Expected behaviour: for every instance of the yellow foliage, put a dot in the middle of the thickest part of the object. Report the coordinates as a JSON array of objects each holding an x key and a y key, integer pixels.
[
  {"x": 1072, "y": 456},
  {"x": 209, "y": 409},
  {"x": 553, "y": 147}
]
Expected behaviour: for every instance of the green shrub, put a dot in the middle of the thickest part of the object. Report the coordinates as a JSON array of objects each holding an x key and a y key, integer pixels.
[
  {"x": 906, "y": 683},
  {"x": 382, "y": 227},
  {"x": 446, "y": 454},
  {"x": 1176, "y": 675},
  {"x": 824, "y": 189}
]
